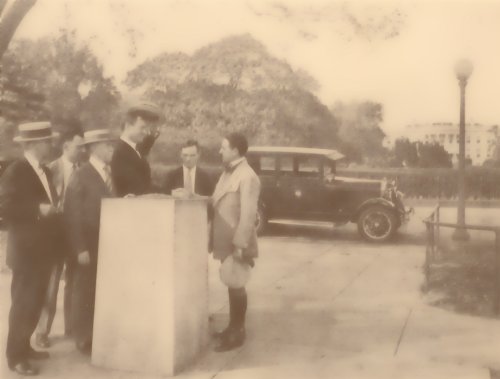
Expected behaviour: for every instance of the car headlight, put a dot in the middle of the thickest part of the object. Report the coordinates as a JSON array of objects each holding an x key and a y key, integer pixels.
[{"x": 383, "y": 188}]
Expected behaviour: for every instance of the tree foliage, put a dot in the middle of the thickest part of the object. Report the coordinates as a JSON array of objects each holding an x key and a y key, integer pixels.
[
  {"x": 359, "y": 129},
  {"x": 66, "y": 76},
  {"x": 234, "y": 84},
  {"x": 423, "y": 155}
]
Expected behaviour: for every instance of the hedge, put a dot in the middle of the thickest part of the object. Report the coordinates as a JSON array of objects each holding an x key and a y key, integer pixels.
[{"x": 481, "y": 182}]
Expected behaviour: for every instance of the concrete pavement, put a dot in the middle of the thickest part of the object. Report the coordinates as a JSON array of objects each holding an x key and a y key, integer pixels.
[{"x": 323, "y": 304}]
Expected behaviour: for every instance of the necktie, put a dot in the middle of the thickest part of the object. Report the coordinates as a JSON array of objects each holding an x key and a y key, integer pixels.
[
  {"x": 52, "y": 189},
  {"x": 109, "y": 180},
  {"x": 188, "y": 183}
]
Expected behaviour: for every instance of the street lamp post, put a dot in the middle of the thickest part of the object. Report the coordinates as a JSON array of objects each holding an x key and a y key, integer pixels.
[{"x": 463, "y": 70}]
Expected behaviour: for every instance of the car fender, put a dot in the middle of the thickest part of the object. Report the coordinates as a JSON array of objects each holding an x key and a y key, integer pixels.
[{"x": 371, "y": 202}]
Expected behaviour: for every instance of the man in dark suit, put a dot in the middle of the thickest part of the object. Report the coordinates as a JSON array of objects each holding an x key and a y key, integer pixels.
[
  {"x": 130, "y": 170},
  {"x": 189, "y": 176},
  {"x": 62, "y": 170},
  {"x": 28, "y": 201},
  {"x": 89, "y": 185}
]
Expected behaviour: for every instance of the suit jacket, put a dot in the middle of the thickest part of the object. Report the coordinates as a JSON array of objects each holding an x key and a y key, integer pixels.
[
  {"x": 131, "y": 173},
  {"x": 235, "y": 201},
  {"x": 83, "y": 209},
  {"x": 32, "y": 238},
  {"x": 203, "y": 184}
]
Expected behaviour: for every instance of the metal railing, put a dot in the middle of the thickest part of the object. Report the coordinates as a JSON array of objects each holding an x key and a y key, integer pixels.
[{"x": 433, "y": 224}]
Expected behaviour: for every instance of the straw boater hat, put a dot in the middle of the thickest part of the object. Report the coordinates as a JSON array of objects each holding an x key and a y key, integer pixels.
[
  {"x": 35, "y": 131},
  {"x": 97, "y": 135}
]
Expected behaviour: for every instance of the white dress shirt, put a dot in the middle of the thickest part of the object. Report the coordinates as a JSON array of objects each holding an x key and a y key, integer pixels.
[
  {"x": 133, "y": 145},
  {"x": 35, "y": 163},
  {"x": 99, "y": 165},
  {"x": 191, "y": 172},
  {"x": 68, "y": 169}
]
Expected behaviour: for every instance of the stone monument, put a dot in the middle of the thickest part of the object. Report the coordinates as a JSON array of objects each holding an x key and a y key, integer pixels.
[{"x": 151, "y": 311}]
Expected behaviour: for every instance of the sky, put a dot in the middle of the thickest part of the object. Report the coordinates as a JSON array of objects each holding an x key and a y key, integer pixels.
[{"x": 401, "y": 54}]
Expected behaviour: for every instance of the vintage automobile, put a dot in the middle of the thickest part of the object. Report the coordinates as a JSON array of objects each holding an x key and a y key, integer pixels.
[{"x": 301, "y": 184}]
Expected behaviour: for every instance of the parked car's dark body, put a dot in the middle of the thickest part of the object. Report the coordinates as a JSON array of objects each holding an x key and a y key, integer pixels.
[{"x": 300, "y": 184}]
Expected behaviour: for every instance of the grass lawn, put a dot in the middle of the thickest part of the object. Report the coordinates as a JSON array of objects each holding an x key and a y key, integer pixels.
[{"x": 462, "y": 278}]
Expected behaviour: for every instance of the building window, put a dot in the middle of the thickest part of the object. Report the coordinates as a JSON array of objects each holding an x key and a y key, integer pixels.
[{"x": 450, "y": 138}]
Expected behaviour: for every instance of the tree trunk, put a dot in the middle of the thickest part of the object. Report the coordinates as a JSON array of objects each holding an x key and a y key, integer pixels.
[{"x": 11, "y": 20}]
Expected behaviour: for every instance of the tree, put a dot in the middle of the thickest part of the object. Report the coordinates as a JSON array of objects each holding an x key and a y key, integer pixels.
[
  {"x": 56, "y": 79},
  {"x": 359, "y": 129},
  {"x": 233, "y": 84},
  {"x": 10, "y": 18},
  {"x": 405, "y": 153},
  {"x": 433, "y": 155},
  {"x": 416, "y": 154}
]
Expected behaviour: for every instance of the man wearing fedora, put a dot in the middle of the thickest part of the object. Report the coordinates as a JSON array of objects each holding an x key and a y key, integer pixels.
[
  {"x": 90, "y": 184},
  {"x": 62, "y": 170},
  {"x": 29, "y": 203},
  {"x": 130, "y": 169},
  {"x": 233, "y": 235}
]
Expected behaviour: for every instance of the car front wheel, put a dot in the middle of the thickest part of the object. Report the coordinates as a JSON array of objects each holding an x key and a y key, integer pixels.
[{"x": 377, "y": 224}]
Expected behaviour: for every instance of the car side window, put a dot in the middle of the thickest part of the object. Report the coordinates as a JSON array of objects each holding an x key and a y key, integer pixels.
[
  {"x": 267, "y": 165},
  {"x": 286, "y": 165},
  {"x": 309, "y": 166}
]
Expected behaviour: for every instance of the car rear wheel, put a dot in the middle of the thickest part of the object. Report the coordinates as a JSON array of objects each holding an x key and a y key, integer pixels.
[
  {"x": 261, "y": 221},
  {"x": 377, "y": 224}
]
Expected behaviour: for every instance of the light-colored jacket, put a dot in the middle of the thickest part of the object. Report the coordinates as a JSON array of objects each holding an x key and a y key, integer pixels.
[{"x": 235, "y": 202}]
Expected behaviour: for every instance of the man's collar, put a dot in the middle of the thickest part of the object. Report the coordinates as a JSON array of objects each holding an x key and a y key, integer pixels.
[
  {"x": 66, "y": 162},
  {"x": 189, "y": 169},
  {"x": 125, "y": 139},
  {"x": 96, "y": 162},
  {"x": 233, "y": 164},
  {"x": 33, "y": 161},
  {"x": 236, "y": 162}
]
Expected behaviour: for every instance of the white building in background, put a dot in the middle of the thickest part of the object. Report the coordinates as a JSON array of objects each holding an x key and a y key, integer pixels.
[{"x": 480, "y": 140}]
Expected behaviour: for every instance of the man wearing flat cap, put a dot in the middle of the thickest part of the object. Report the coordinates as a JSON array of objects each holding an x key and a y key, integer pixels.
[
  {"x": 130, "y": 169},
  {"x": 90, "y": 184},
  {"x": 29, "y": 202}
]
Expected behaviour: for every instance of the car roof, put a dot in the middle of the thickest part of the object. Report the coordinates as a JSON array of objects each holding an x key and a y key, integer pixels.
[{"x": 328, "y": 153}]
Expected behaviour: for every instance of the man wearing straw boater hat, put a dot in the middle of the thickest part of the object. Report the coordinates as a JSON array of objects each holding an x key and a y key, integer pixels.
[
  {"x": 90, "y": 184},
  {"x": 130, "y": 169},
  {"x": 29, "y": 202},
  {"x": 62, "y": 169}
]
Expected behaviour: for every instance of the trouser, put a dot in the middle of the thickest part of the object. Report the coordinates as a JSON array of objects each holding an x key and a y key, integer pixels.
[
  {"x": 50, "y": 304},
  {"x": 237, "y": 307},
  {"x": 83, "y": 302},
  {"x": 28, "y": 289}
]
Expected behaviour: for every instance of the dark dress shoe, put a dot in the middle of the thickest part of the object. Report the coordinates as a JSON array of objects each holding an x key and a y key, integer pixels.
[
  {"x": 222, "y": 333},
  {"x": 25, "y": 369},
  {"x": 38, "y": 355},
  {"x": 234, "y": 339},
  {"x": 41, "y": 340},
  {"x": 84, "y": 347}
]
